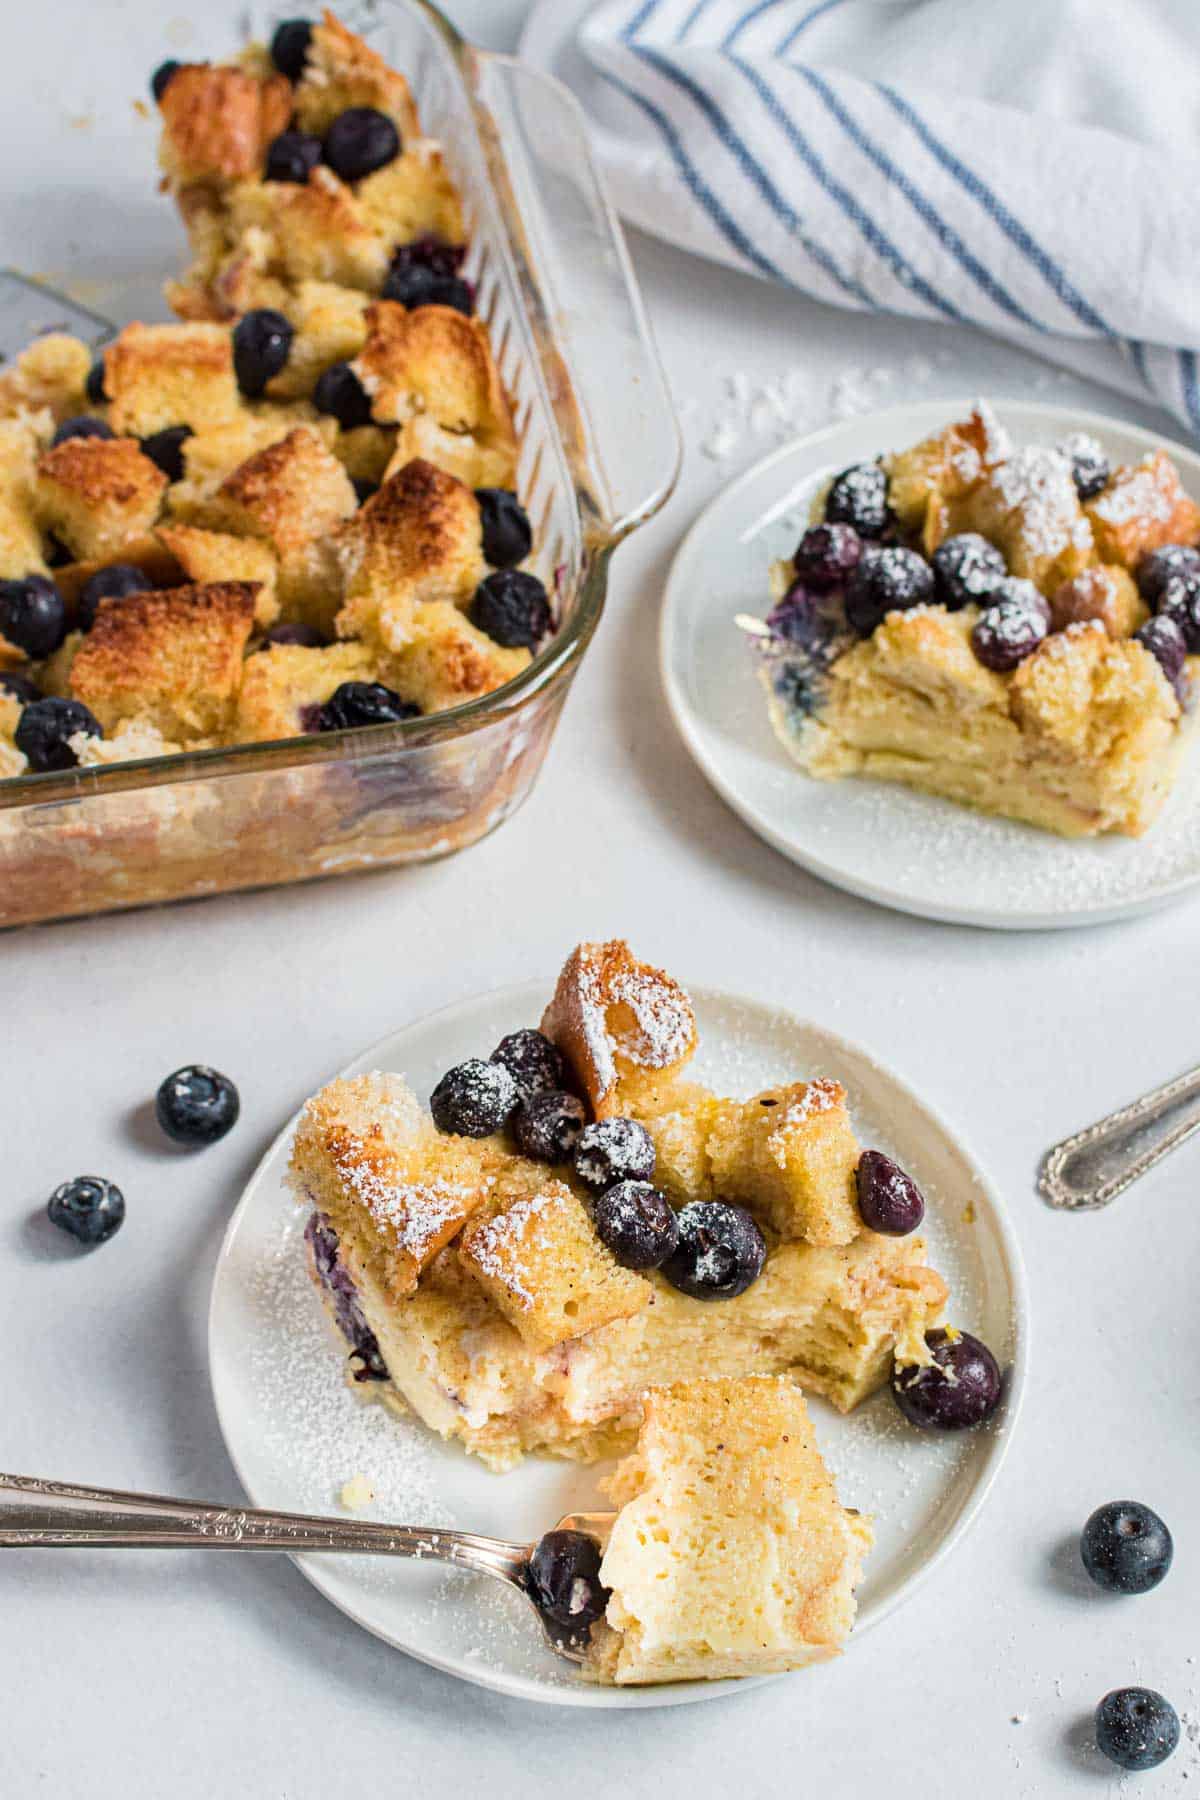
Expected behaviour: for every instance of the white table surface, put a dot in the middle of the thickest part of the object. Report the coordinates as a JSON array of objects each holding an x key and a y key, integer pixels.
[{"x": 195, "y": 1676}]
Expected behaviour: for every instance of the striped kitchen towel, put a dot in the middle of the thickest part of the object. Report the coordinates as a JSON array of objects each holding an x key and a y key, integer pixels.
[{"x": 1028, "y": 166}]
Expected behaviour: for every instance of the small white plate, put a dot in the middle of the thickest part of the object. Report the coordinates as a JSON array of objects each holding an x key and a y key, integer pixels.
[
  {"x": 907, "y": 850},
  {"x": 296, "y": 1433}
]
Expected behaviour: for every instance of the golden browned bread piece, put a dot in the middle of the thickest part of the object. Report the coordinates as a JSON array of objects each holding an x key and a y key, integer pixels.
[
  {"x": 218, "y": 121},
  {"x": 51, "y": 372},
  {"x": 418, "y": 539},
  {"x": 343, "y": 71},
  {"x": 924, "y": 480},
  {"x": 21, "y": 550},
  {"x": 330, "y": 327},
  {"x": 172, "y": 660},
  {"x": 161, "y": 375},
  {"x": 1026, "y": 505},
  {"x": 626, "y": 1029},
  {"x": 447, "y": 661},
  {"x": 284, "y": 684},
  {"x": 1106, "y": 593},
  {"x": 731, "y": 1554},
  {"x": 542, "y": 1264},
  {"x": 1143, "y": 507},
  {"x": 95, "y": 493},
  {"x": 290, "y": 493},
  {"x": 208, "y": 556}
]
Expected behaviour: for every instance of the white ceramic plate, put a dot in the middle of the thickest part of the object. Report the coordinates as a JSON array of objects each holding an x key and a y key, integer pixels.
[
  {"x": 907, "y": 850},
  {"x": 296, "y": 1433}
]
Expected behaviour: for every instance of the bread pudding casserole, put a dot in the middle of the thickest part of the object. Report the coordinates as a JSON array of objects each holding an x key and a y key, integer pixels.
[
  {"x": 1015, "y": 629},
  {"x": 293, "y": 512}
]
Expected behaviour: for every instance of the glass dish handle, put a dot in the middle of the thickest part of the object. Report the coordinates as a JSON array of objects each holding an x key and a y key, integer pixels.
[{"x": 614, "y": 407}]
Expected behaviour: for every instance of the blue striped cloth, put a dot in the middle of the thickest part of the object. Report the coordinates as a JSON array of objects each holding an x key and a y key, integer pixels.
[{"x": 1027, "y": 166}]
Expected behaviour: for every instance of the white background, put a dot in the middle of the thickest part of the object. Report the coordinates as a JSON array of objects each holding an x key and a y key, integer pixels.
[{"x": 198, "y": 1676}]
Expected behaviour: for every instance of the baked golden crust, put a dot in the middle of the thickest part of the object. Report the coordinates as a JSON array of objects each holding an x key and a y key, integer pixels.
[
  {"x": 343, "y": 71},
  {"x": 51, "y": 372},
  {"x": 94, "y": 493},
  {"x": 173, "y": 660},
  {"x": 1142, "y": 507},
  {"x": 290, "y": 493},
  {"x": 218, "y": 120},
  {"x": 284, "y": 682},
  {"x": 418, "y": 539},
  {"x": 156, "y": 376},
  {"x": 626, "y": 1028},
  {"x": 214, "y": 556},
  {"x": 1107, "y": 593}
]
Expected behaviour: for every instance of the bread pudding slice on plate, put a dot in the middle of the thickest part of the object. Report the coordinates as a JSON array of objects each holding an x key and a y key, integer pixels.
[
  {"x": 730, "y": 1554},
  {"x": 974, "y": 620}
]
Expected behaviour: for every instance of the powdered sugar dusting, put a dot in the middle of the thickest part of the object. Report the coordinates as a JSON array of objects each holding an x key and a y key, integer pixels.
[
  {"x": 1038, "y": 484},
  {"x": 819, "y": 1096}
]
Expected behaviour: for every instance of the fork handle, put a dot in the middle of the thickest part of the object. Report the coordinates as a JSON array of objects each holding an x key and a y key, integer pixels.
[
  {"x": 1096, "y": 1164},
  {"x": 56, "y": 1515}
]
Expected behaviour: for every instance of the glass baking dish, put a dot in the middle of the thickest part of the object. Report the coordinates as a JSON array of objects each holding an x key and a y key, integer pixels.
[{"x": 599, "y": 452}]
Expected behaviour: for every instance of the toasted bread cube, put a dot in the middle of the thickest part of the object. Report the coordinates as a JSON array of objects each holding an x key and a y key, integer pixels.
[
  {"x": 172, "y": 660},
  {"x": 1028, "y": 507},
  {"x": 285, "y": 684},
  {"x": 20, "y": 535},
  {"x": 1085, "y": 694},
  {"x": 417, "y": 539},
  {"x": 295, "y": 233},
  {"x": 161, "y": 375},
  {"x": 290, "y": 493},
  {"x": 395, "y": 1190},
  {"x": 51, "y": 372},
  {"x": 413, "y": 196},
  {"x": 626, "y": 1029},
  {"x": 211, "y": 556},
  {"x": 342, "y": 71},
  {"x": 211, "y": 455},
  {"x": 436, "y": 361},
  {"x": 95, "y": 493},
  {"x": 1106, "y": 593},
  {"x": 941, "y": 468},
  {"x": 731, "y": 1554},
  {"x": 218, "y": 121},
  {"x": 542, "y": 1264},
  {"x": 1142, "y": 508},
  {"x": 448, "y": 661},
  {"x": 790, "y": 1155},
  {"x": 474, "y": 461},
  {"x": 331, "y": 327}
]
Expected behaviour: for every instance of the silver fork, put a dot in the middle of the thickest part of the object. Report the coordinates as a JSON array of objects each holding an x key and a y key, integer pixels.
[
  {"x": 61, "y": 1515},
  {"x": 1094, "y": 1165}
]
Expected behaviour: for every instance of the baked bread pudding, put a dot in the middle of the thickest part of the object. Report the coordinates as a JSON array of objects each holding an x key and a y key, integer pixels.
[
  {"x": 730, "y": 1554},
  {"x": 293, "y": 512},
  {"x": 1015, "y": 629}
]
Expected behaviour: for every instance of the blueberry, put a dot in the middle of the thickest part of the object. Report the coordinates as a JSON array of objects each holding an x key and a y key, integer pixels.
[
  {"x": 1006, "y": 633},
  {"x": 547, "y": 1126},
  {"x": 1166, "y": 643},
  {"x": 165, "y": 449},
  {"x": 415, "y": 284},
  {"x": 89, "y": 1208},
  {"x": 57, "y": 554},
  {"x": 1126, "y": 1548},
  {"x": 966, "y": 568},
  {"x": 161, "y": 77},
  {"x": 512, "y": 608},
  {"x": 293, "y": 631},
  {"x": 720, "y": 1252},
  {"x": 289, "y": 47},
  {"x": 431, "y": 253},
  {"x": 94, "y": 386},
  {"x": 814, "y": 621},
  {"x": 1136, "y": 1728},
  {"x": 19, "y": 687},
  {"x": 366, "y": 1358},
  {"x": 958, "y": 1389},
  {"x": 507, "y": 534},
  {"x": 535, "y": 1064},
  {"x": 359, "y": 141},
  {"x": 1161, "y": 565},
  {"x": 1090, "y": 467},
  {"x": 197, "y": 1105},
  {"x": 614, "y": 1150},
  {"x": 84, "y": 426},
  {"x": 1180, "y": 600},
  {"x": 886, "y": 580},
  {"x": 475, "y": 1099},
  {"x": 889, "y": 1201},
  {"x": 32, "y": 615},
  {"x": 291, "y": 156},
  {"x": 262, "y": 341},
  {"x": 363, "y": 490},
  {"x": 859, "y": 497},
  {"x": 341, "y": 393},
  {"x": 637, "y": 1223},
  {"x": 46, "y": 728},
  {"x": 827, "y": 556},
  {"x": 564, "y": 1581},
  {"x": 358, "y": 703},
  {"x": 112, "y": 583}
]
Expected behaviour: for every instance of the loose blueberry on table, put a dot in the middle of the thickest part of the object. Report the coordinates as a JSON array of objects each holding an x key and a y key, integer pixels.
[
  {"x": 959, "y": 1389},
  {"x": 535, "y": 1064},
  {"x": 564, "y": 1582},
  {"x": 89, "y": 1209},
  {"x": 637, "y": 1223},
  {"x": 720, "y": 1252},
  {"x": 1136, "y": 1728},
  {"x": 197, "y": 1105},
  {"x": 546, "y": 1126},
  {"x": 889, "y": 1201},
  {"x": 614, "y": 1150},
  {"x": 1126, "y": 1548},
  {"x": 474, "y": 1099}
]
